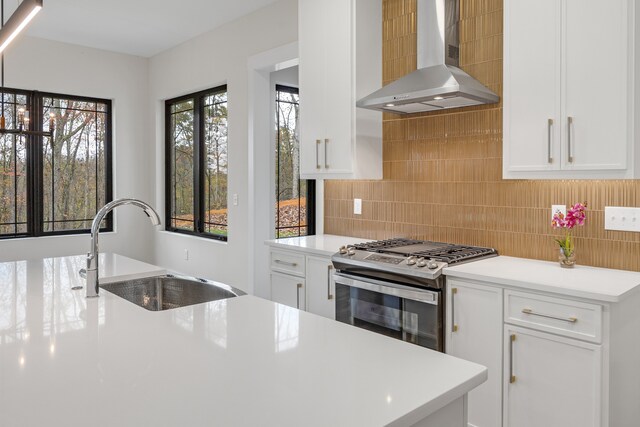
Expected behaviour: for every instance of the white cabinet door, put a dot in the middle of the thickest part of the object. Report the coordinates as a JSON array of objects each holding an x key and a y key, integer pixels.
[
  {"x": 550, "y": 381},
  {"x": 474, "y": 333},
  {"x": 288, "y": 290},
  {"x": 320, "y": 287},
  {"x": 312, "y": 16},
  {"x": 596, "y": 84},
  {"x": 335, "y": 141},
  {"x": 339, "y": 36},
  {"x": 532, "y": 54}
]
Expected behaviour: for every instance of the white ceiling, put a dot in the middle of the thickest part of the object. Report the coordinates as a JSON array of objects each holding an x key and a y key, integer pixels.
[{"x": 137, "y": 27}]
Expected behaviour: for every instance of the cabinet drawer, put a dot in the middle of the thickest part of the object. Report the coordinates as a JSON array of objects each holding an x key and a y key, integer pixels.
[
  {"x": 556, "y": 315},
  {"x": 288, "y": 262}
]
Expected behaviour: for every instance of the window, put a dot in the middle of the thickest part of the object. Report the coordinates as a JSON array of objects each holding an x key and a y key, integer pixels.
[
  {"x": 196, "y": 163},
  {"x": 54, "y": 185},
  {"x": 295, "y": 197}
]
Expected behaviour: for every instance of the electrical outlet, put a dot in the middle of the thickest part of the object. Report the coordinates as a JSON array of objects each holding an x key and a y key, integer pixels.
[
  {"x": 357, "y": 206},
  {"x": 186, "y": 254},
  {"x": 235, "y": 199},
  {"x": 622, "y": 218},
  {"x": 558, "y": 209}
]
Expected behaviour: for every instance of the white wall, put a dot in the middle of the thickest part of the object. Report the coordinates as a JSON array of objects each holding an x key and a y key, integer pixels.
[
  {"x": 220, "y": 56},
  {"x": 33, "y": 63}
]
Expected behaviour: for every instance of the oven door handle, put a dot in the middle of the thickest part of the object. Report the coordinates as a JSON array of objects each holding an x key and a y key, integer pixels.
[{"x": 405, "y": 292}]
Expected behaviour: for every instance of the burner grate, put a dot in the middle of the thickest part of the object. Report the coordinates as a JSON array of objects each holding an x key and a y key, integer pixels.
[{"x": 444, "y": 252}]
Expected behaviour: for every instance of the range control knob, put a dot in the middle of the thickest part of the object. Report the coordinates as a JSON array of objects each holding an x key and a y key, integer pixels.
[
  {"x": 351, "y": 251},
  {"x": 343, "y": 250},
  {"x": 421, "y": 262},
  {"x": 411, "y": 260},
  {"x": 432, "y": 265}
]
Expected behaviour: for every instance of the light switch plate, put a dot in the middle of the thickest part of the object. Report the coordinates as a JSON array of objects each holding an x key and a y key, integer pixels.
[
  {"x": 558, "y": 208},
  {"x": 622, "y": 218},
  {"x": 357, "y": 206}
]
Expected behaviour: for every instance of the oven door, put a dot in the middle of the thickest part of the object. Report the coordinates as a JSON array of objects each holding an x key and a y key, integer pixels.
[{"x": 402, "y": 312}]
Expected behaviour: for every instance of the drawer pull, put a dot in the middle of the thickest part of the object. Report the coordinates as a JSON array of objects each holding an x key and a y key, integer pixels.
[
  {"x": 318, "y": 142},
  {"x": 329, "y": 268},
  {"x": 291, "y": 264},
  {"x": 298, "y": 286},
  {"x": 512, "y": 378},
  {"x": 454, "y": 327},
  {"x": 326, "y": 162},
  {"x": 548, "y": 316}
]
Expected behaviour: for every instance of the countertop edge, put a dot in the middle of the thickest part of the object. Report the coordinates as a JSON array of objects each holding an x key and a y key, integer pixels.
[
  {"x": 537, "y": 286},
  {"x": 429, "y": 408}
]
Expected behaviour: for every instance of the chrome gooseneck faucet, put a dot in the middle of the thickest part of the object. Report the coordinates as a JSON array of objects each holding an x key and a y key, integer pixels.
[{"x": 91, "y": 273}]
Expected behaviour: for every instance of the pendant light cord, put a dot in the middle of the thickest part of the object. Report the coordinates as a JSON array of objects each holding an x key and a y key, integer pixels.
[{"x": 2, "y": 123}]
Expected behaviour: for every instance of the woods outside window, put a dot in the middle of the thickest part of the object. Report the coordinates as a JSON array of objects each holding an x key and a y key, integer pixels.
[
  {"x": 54, "y": 185},
  {"x": 196, "y": 163},
  {"x": 295, "y": 197}
]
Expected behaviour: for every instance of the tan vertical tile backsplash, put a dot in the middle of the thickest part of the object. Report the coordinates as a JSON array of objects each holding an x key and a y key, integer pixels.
[{"x": 443, "y": 171}]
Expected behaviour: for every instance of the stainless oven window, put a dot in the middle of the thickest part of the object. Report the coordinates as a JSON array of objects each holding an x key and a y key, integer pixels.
[{"x": 414, "y": 321}]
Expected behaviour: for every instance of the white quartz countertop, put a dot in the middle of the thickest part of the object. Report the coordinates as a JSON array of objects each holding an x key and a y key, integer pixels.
[
  {"x": 322, "y": 244},
  {"x": 68, "y": 360},
  {"x": 593, "y": 283}
]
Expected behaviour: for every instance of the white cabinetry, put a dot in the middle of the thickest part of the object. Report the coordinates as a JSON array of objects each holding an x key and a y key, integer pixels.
[
  {"x": 303, "y": 281},
  {"x": 474, "y": 333},
  {"x": 288, "y": 290},
  {"x": 320, "y": 287},
  {"x": 340, "y": 50},
  {"x": 551, "y": 381},
  {"x": 568, "y": 89}
]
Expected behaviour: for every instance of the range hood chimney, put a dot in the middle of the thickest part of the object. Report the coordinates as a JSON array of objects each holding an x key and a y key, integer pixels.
[{"x": 438, "y": 83}]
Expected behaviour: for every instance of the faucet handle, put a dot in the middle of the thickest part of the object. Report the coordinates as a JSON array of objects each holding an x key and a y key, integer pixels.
[{"x": 83, "y": 273}]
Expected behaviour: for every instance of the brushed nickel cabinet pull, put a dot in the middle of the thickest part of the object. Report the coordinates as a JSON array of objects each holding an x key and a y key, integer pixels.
[
  {"x": 569, "y": 141},
  {"x": 512, "y": 378},
  {"x": 329, "y": 268},
  {"x": 326, "y": 162},
  {"x": 298, "y": 286},
  {"x": 549, "y": 316},
  {"x": 549, "y": 127},
  {"x": 454, "y": 327},
  {"x": 290, "y": 264},
  {"x": 318, "y": 165}
]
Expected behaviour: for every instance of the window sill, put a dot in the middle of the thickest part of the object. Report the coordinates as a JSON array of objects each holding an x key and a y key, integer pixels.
[
  {"x": 191, "y": 236},
  {"x": 58, "y": 236}
]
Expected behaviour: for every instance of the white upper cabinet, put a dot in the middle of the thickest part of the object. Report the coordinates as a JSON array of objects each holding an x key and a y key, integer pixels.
[
  {"x": 340, "y": 44},
  {"x": 568, "y": 89}
]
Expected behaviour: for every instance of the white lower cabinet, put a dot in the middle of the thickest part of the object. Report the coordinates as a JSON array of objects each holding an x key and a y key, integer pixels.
[
  {"x": 544, "y": 353},
  {"x": 550, "y": 381},
  {"x": 303, "y": 281},
  {"x": 474, "y": 333},
  {"x": 320, "y": 287},
  {"x": 288, "y": 290}
]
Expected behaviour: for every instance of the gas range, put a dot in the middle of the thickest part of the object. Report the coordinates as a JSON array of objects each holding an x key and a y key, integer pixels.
[
  {"x": 395, "y": 287},
  {"x": 419, "y": 261}
]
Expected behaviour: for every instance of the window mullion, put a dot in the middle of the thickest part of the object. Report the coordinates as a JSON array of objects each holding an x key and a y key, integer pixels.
[
  {"x": 35, "y": 204},
  {"x": 198, "y": 161}
]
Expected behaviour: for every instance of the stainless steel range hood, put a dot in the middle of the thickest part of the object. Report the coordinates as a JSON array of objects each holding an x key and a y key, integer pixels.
[{"x": 438, "y": 83}]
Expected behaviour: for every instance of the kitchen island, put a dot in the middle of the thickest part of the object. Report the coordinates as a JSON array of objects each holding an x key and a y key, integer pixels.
[{"x": 67, "y": 360}]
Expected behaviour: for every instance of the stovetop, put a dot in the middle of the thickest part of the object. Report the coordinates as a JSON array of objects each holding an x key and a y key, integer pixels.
[
  {"x": 395, "y": 258},
  {"x": 444, "y": 252}
]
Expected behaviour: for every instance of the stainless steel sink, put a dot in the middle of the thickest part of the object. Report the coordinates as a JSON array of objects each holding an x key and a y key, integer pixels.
[{"x": 170, "y": 291}]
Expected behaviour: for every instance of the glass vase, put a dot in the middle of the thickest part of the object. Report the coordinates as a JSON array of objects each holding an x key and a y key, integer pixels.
[{"x": 567, "y": 261}]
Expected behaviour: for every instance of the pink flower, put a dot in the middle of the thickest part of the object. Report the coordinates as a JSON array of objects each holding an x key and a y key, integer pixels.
[{"x": 576, "y": 216}]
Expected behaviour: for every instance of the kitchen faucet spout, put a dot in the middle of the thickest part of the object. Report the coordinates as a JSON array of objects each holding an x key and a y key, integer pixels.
[{"x": 91, "y": 272}]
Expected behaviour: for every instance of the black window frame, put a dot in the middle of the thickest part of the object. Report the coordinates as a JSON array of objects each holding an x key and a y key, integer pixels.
[
  {"x": 311, "y": 183},
  {"x": 198, "y": 165},
  {"x": 35, "y": 163}
]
